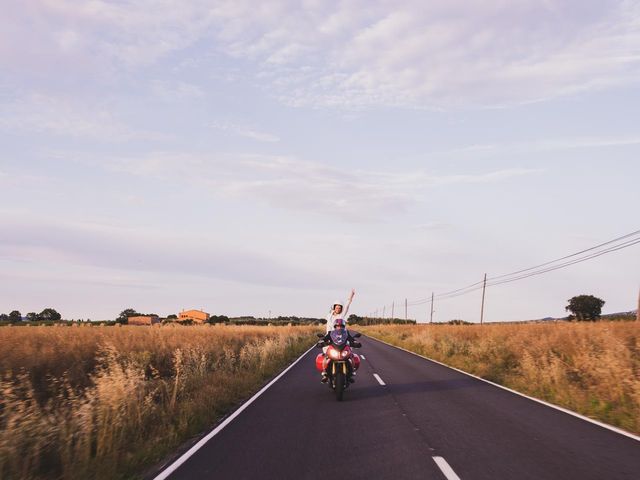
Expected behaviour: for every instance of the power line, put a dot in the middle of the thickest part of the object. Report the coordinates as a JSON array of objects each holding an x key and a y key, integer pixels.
[
  {"x": 492, "y": 281},
  {"x": 573, "y": 262},
  {"x": 568, "y": 256},
  {"x": 538, "y": 269}
]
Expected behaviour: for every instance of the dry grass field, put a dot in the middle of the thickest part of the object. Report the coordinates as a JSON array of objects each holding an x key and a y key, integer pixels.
[
  {"x": 591, "y": 368},
  {"x": 104, "y": 402}
]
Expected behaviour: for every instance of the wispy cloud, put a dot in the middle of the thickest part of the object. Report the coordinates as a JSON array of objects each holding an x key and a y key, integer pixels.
[
  {"x": 176, "y": 90},
  {"x": 38, "y": 239},
  {"x": 244, "y": 131},
  {"x": 64, "y": 116},
  {"x": 543, "y": 145},
  {"x": 291, "y": 183},
  {"x": 368, "y": 53}
]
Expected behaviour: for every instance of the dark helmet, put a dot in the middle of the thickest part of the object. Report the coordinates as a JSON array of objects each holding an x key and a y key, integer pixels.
[{"x": 339, "y": 324}]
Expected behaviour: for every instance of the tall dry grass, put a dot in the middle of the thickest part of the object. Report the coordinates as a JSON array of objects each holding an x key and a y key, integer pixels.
[
  {"x": 91, "y": 402},
  {"x": 591, "y": 368}
]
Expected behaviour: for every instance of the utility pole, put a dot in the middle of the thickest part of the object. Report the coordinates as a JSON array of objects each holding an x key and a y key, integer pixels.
[
  {"x": 638, "y": 310},
  {"x": 392, "y": 308},
  {"x": 431, "y": 318},
  {"x": 384, "y": 312},
  {"x": 484, "y": 287},
  {"x": 406, "y": 314}
]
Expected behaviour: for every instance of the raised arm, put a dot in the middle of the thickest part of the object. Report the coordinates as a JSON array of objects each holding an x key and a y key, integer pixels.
[
  {"x": 351, "y": 295},
  {"x": 346, "y": 307}
]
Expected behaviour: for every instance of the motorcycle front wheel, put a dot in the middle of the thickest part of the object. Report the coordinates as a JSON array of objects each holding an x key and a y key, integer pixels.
[{"x": 339, "y": 383}]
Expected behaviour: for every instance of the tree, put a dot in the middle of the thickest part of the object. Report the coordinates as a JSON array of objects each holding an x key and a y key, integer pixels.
[
  {"x": 4, "y": 317},
  {"x": 125, "y": 314},
  {"x": 218, "y": 319},
  {"x": 49, "y": 315},
  {"x": 173, "y": 316},
  {"x": 32, "y": 317},
  {"x": 15, "y": 316},
  {"x": 585, "y": 307},
  {"x": 458, "y": 322}
]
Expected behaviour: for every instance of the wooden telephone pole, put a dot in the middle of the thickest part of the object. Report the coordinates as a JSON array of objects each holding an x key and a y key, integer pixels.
[
  {"x": 406, "y": 315},
  {"x": 392, "y": 308},
  {"x": 431, "y": 317},
  {"x": 484, "y": 287}
]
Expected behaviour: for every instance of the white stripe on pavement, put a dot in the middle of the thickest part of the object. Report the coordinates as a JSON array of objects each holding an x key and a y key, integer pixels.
[
  {"x": 446, "y": 469},
  {"x": 185, "y": 456},
  {"x": 379, "y": 379},
  {"x": 362, "y": 357}
]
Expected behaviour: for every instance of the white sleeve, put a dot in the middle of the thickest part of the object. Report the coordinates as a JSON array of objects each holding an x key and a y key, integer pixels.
[
  {"x": 345, "y": 313},
  {"x": 330, "y": 322}
]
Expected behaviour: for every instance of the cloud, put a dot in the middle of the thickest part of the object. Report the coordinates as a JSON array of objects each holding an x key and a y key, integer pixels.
[
  {"x": 63, "y": 116},
  {"x": 295, "y": 184},
  {"x": 439, "y": 55},
  {"x": 36, "y": 239},
  {"x": 176, "y": 90},
  {"x": 18, "y": 180},
  {"x": 569, "y": 143},
  {"x": 359, "y": 54},
  {"x": 432, "y": 226},
  {"x": 244, "y": 131}
]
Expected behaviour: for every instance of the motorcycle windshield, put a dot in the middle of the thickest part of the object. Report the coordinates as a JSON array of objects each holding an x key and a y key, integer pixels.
[{"x": 339, "y": 337}]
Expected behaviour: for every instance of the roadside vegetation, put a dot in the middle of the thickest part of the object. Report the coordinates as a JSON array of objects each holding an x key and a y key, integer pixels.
[
  {"x": 591, "y": 368},
  {"x": 106, "y": 402}
]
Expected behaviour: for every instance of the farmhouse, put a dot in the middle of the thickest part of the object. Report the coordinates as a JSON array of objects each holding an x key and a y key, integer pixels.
[
  {"x": 197, "y": 316},
  {"x": 143, "y": 320}
]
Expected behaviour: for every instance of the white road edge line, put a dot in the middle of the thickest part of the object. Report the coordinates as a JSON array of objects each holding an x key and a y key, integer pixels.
[
  {"x": 446, "y": 469},
  {"x": 551, "y": 405},
  {"x": 379, "y": 379},
  {"x": 185, "y": 456},
  {"x": 363, "y": 357}
]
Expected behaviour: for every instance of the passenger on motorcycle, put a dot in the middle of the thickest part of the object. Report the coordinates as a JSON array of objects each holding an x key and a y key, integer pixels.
[
  {"x": 337, "y": 311},
  {"x": 339, "y": 325}
]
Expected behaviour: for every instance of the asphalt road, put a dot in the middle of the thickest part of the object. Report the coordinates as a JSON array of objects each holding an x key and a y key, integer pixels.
[{"x": 425, "y": 414}]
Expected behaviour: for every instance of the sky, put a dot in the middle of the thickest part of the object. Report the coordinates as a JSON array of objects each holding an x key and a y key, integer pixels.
[{"x": 263, "y": 158}]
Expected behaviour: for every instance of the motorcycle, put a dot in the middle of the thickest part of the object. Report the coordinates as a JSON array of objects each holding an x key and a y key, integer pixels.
[{"x": 340, "y": 362}]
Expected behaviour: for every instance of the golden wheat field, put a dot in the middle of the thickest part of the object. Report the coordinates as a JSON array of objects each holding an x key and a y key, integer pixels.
[
  {"x": 591, "y": 368},
  {"x": 104, "y": 402}
]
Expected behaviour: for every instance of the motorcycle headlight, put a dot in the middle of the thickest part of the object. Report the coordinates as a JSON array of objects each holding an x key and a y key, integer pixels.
[
  {"x": 333, "y": 353},
  {"x": 344, "y": 353}
]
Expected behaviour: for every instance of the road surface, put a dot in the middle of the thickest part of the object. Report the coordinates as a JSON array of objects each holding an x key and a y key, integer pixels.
[{"x": 413, "y": 419}]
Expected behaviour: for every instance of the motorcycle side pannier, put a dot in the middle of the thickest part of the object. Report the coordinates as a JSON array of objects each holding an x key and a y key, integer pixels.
[
  {"x": 356, "y": 361},
  {"x": 319, "y": 362}
]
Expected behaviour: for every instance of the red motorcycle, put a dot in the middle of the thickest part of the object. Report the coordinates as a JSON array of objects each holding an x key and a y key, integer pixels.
[{"x": 340, "y": 362}]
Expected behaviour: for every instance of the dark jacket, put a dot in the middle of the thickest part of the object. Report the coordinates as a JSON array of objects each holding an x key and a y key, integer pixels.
[{"x": 350, "y": 340}]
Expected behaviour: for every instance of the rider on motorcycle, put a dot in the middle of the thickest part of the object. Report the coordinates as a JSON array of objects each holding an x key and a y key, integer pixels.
[{"x": 339, "y": 325}]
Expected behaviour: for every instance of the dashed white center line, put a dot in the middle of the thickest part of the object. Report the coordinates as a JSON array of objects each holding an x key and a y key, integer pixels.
[
  {"x": 362, "y": 357},
  {"x": 445, "y": 468},
  {"x": 379, "y": 379}
]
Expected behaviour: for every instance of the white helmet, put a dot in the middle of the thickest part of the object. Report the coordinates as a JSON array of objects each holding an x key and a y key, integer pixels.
[{"x": 338, "y": 302}]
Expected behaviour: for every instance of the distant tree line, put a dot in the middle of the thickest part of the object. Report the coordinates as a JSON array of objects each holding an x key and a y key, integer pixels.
[
  {"x": 581, "y": 308},
  {"x": 251, "y": 320},
  {"x": 364, "y": 321},
  {"x": 123, "y": 318},
  {"x": 46, "y": 315}
]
